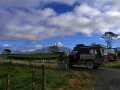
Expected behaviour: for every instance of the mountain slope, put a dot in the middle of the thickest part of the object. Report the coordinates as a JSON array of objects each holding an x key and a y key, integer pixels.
[
  {"x": 41, "y": 50},
  {"x": 46, "y": 50}
]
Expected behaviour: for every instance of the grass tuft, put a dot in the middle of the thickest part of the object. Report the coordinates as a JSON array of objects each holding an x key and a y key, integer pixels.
[{"x": 114, "y": 65}]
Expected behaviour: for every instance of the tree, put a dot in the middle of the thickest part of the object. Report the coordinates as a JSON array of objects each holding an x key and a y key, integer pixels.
[
  {"x": 6, "y": 51},
  {"x": 109, "y": 37},
  {"x": 54, "y": 49}
]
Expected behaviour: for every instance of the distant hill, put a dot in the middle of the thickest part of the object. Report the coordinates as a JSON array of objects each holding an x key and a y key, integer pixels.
[
  {"x": 33, "y": 50},
  {"x": 46, "y": 50}
]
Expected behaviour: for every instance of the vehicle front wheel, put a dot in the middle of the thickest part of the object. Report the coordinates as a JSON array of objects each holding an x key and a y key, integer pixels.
[{"x": 90, "y": 64}]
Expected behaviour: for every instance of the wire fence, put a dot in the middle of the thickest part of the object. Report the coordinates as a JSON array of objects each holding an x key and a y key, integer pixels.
[
  {"x": 49, "y": 63},
  {"x": 8, "y": 83},
  {"x": 49, "y": 76}
]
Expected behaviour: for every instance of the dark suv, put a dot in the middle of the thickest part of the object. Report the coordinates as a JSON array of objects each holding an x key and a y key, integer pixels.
[{"x": 91, "y": 56}]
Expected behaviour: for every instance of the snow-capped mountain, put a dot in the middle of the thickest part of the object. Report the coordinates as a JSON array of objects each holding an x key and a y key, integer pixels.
[
  {"x": 46, "y": 50},
  {"x": 35, "y": 49}
]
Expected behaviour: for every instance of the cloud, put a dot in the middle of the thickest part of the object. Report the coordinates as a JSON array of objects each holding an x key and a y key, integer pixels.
[
  {"x": 19, "y": 3},
  {"x": 6, "y": 45},
  {"x": 118, "y": 37},
  {"x": 41, "y": 24},
  {"x": 28, "y": 4},
  {"x": 86, "y": 10},
  {"x": 27, "y": 47},
  {"x": 68, "y": 2},
  {"x": 108, "y": 4},
  {"x": 20, "y": 49}
]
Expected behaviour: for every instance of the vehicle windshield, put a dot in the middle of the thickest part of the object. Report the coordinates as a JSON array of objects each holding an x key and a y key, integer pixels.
[{"x": 109, "y": 51}]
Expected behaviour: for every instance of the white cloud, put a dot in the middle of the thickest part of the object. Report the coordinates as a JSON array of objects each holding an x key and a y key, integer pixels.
[
  {"x": 21, "y": 49},
  {"x": 19, "y": 3},
  {"x": 118, "y": 37},
  {"x": 6, "y": 45},
  {"x": 68, "y": 2},
  {"x": 41, "y": 24},
  {"x": 87, "y": 10},
  {"x": 107, "y": 4},
  {"x": 28, "y": 4}
]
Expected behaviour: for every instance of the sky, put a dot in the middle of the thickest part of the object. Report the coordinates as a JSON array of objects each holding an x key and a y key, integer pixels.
[{"x": 30, "y": 24}]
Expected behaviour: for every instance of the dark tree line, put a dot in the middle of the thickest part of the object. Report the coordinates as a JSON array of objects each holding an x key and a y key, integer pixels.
[{"x": 6, "y": 52}]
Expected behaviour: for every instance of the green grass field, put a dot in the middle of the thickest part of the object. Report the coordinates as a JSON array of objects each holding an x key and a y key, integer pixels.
[
  {"x": 36, "y": 55},
  {"x": 45, "y": 55},
  {"x": 20, "y": 78}
]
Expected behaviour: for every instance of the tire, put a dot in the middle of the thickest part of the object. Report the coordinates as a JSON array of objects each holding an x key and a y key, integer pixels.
[
  {"x": 90, "y": 64},
  {"x": 96, "y": 66},
  {"x": 70, "y": 66}
]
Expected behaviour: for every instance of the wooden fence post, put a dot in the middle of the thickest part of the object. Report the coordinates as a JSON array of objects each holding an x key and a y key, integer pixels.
[
  {"x": 10, "y": 61},
  {"x": 49, "y": 63},
  {"x": 33, "y": 78},
  {"x": 8, "y": 82},
  {"x": 30, "y": 63},
  {"x": 43, "y": 77}
]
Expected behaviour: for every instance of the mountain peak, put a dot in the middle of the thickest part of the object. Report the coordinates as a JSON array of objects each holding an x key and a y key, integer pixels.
[{"x": 59, "y": 44}]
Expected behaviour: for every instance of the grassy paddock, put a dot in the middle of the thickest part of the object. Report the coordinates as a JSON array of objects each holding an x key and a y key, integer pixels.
[
  {"x": 114, "y": 65},
  {"x": 36, "y": 63},
  {"x": 55, "y": 79},
  {"x": 45, "y": 55}
]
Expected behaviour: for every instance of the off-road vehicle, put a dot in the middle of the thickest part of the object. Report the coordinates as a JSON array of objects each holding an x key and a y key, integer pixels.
[{"x": 91, "y": 56}]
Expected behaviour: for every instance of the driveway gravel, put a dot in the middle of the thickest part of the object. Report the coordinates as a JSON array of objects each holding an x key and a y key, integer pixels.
[{"x": 106, "y": 79}]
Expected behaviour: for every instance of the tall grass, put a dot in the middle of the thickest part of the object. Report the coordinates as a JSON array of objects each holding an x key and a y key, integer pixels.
[
  {"x": 20, "y": 78},
  {"x": 114, "y": 65},
  {"x": 41, "y": 55}
]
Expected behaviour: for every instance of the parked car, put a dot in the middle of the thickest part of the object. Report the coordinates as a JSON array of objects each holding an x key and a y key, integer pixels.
[{"x": 91, "y": 56}]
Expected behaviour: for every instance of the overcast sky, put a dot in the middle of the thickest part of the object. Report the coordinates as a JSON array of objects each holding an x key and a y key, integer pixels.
[{"x": 36, "y": 22}]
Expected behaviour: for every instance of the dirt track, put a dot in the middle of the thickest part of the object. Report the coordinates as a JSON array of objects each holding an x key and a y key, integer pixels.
[{"x": 106, "y": 79}]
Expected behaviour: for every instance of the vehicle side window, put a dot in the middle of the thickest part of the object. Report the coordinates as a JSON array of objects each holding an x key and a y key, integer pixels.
[{"x": 92, "y": 51}]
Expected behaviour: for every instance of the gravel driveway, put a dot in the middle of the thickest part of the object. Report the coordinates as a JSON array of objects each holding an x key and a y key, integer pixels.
[{"x": 106, "y": 79}]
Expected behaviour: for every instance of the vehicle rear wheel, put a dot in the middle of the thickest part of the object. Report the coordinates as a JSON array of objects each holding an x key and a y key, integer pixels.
[
  {"x": 96, "y": 66},
  {"x": 70, "y": 66},
  {"x": 90, "y": 64}
]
